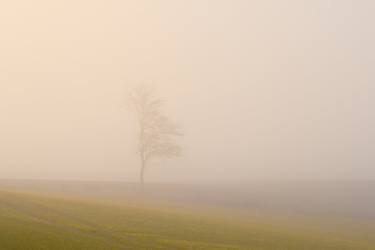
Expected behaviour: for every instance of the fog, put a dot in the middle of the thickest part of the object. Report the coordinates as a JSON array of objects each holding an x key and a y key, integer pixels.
[{"x": 261, "y": 89}]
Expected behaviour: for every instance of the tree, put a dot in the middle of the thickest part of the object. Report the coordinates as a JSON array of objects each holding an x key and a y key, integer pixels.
[{"x": 157, "y": 132}]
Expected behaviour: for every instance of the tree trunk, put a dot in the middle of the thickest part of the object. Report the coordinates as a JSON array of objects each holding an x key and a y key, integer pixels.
[{"x": 143, "y": 166}]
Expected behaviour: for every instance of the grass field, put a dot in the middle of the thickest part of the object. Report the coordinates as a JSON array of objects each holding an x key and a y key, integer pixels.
[{"x": 31, "y": 221}]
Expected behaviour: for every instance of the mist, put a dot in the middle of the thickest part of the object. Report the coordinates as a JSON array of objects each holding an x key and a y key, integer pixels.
[{"x": 261, "y": 89}]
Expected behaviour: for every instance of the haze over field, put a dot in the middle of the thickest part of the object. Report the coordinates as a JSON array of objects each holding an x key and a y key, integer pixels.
[
  {"x": 262, "y": 89},
  {"x": 187, "y": 124}
]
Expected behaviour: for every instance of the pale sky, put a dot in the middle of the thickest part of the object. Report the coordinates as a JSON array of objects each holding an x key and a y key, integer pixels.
[{"x": 262, "y": 89}]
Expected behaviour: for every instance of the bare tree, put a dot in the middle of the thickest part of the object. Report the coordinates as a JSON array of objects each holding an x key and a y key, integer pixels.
[{"x": 156, "y": 131}]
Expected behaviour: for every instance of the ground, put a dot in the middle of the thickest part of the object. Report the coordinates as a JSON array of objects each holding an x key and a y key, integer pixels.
[{"x": 43, "y": 220}]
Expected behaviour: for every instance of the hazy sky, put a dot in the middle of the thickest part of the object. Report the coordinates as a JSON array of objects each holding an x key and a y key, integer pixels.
[{"x": 262, "y": 89}]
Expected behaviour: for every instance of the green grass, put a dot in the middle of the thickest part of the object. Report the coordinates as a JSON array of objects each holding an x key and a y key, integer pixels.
[{"x": 36, "y": 221}]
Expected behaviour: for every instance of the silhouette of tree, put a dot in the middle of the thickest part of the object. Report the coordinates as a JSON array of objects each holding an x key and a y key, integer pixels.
[{"x": 157, "y": 132}]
